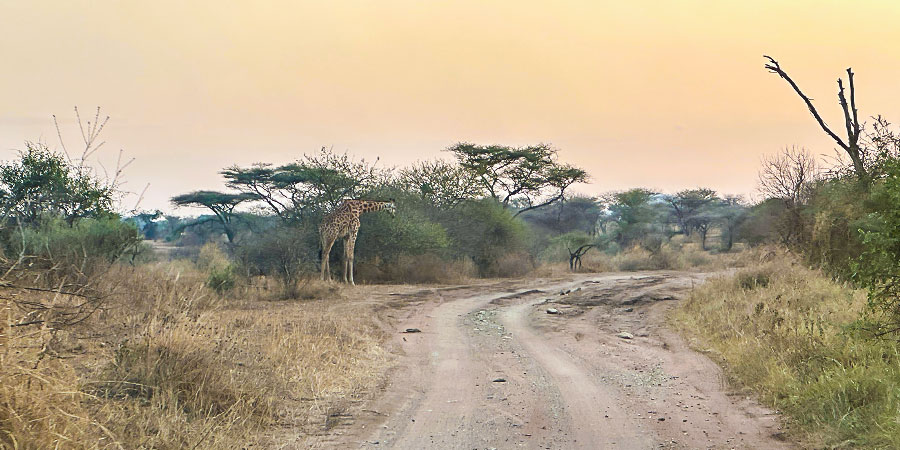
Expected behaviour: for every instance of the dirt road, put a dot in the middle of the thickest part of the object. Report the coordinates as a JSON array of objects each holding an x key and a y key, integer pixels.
[{"x": 492, "y": 368}]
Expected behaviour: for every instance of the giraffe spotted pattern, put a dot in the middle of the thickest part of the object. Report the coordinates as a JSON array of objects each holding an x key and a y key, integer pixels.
[{"x": 343, "y": 222}]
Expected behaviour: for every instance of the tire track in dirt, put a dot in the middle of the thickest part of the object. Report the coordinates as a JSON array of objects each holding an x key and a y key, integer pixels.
[
  {"x": 596, "y": 418},
  {"x": 452, "y": 409},
  {"x": 567, "y": 380}
]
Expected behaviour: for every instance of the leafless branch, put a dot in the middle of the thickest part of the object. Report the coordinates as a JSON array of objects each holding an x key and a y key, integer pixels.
[
  {"x": 774, "y": 67},
  {"x": 851, "y": 116},
  {"x": 788, "y": 175}
]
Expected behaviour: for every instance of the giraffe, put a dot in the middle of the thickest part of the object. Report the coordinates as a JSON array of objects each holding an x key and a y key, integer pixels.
[{"x": 343, "y": 222}]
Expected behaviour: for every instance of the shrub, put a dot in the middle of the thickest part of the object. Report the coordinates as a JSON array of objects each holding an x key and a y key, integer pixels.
[
  {"x": 78, "y": 250},
  {"x": 410, "y": 233},
  {"x": 878, "y": 267},
  {"x": 639, "y": 258},
  {"x": 694, "y": 257},
  {"x": 652, "y": 242},
  {"x": 314, "y": 288},
  {"x": 45, "y": 184},
  {"x": 211, "y": 257},
  {"x": 485, "y": 232},
  {"x": 283, "y": 252},
  {"x": 753, "y": 278},
  {"x": 766, "y": 224},
  {"x": 221, "y": 279}
]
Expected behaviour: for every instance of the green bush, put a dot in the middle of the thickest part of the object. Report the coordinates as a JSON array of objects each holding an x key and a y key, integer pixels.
[
  {"x": 221, "y": 279},
  {"x": 878, "y": 268},
  {"x": 44, "y": 184},
  {"x": 87, "y": 245},
  {"x": 766, "y": 224},
  {"x": 409, "y": 233},
  {"x": 485, "y": 231},
  {"x": 283, "y": 252}
]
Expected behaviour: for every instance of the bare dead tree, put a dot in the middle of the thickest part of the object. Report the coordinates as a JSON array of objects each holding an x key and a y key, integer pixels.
[
  {"x": 90, "y": 131},
  {"x": 851, "y": 117},
  {"x": 576, "y": 254},
  {"x": 788, "y": 176}
]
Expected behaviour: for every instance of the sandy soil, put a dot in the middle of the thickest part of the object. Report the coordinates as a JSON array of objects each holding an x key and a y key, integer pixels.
[{"x": 492, "y": 369}]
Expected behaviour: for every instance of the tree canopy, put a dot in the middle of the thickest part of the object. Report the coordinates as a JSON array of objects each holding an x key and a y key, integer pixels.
[
  {"x": 42, "y": 182},
  {"x": 307, "y": 186},
  {"x": 220, "y": 203},
  {"x": 529, "y": 177},
  {"x": 688, "y": 203}
]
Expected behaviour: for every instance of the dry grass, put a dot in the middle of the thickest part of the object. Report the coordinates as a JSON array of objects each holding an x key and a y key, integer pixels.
[
  {"x": 512, "y": 265},
  {"x": 786, "y": 333},
  {"x": 681, "y": 257},
  {"x": 673, "y": 256},
  {"x": 171, "y": 364},
  {"x": 424, "y": 269}
]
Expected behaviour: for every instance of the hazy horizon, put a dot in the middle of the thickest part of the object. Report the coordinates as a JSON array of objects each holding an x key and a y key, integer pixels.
[{"x": 640, "y": 94}]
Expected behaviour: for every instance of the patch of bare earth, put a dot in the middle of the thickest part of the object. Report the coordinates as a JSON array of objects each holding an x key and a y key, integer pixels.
[{"x": 492, "y": 368}]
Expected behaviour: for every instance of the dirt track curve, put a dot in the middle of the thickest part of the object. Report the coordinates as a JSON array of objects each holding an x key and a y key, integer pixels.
[{"x": 492, "y": 369}]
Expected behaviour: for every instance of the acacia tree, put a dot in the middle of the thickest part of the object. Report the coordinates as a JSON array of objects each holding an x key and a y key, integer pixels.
[
  {"x": 731, "y": 214},
  {"x": 440, "y": 183},
  {"x": 221, "y": 204},
  {"x": 308, "y": 186},
  {"x": 634, "y": 215},
  {"x": 577, "y": 244},
  {"x": 702, "y": 221},
  {"x": 851, "y": 145},
  {"x": 529, "y": 177},
  {"x": 685, "y": 204},
  {"x": 572, "y": 213}
]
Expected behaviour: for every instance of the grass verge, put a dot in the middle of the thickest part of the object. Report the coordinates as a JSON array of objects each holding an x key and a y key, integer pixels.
[
  {"x": 786, "y": 333},
  {"x": 169, "y": 363}
]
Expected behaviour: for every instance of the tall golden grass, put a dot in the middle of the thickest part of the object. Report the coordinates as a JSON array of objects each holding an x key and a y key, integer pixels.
[
  {"x": 168, "y": 363},
  {"x": 789, "y": 334},
  {"x": 671, "y": 256},
  {"x": 420, "y": 269}
]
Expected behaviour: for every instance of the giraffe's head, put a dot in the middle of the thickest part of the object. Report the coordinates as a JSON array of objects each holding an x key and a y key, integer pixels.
[{"x": 391, "y": 207}]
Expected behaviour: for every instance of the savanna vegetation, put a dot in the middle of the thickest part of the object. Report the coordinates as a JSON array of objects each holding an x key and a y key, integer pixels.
[
  {"x": 147, "y": 330},
  {"x": 812, "y": 328}
]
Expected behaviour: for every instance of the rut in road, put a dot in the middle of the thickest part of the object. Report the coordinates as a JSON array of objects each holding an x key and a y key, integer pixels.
[
  {"x": 597, "y": 419},
  {"x": 492, "y": 369}
]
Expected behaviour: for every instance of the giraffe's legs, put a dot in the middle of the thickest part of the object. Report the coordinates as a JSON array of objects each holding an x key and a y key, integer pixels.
[
  {"x": 346, "y": 259},
  {"x": 326, "y": 252},
  {"x": 349, "y": 246}
]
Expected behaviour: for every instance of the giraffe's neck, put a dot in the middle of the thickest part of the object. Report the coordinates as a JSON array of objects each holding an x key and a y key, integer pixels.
[{"x": 371, "y": 206}]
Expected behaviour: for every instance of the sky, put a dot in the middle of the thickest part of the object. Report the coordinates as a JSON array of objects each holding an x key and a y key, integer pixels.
[{"x": 661, "y": 94}]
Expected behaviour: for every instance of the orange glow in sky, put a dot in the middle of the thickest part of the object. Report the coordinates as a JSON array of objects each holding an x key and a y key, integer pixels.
[{"x": 661, "y": 94}]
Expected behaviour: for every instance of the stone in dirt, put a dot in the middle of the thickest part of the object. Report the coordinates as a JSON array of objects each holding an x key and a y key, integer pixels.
[
  {"x": 552, "y": 311},
  {"x": 625, "y": 335},
  {"x": 412, "y": 330},
  {"x": 500, "y": 380}
]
